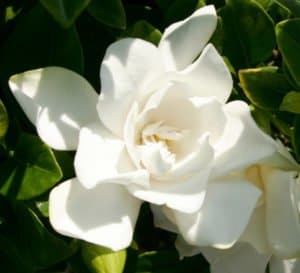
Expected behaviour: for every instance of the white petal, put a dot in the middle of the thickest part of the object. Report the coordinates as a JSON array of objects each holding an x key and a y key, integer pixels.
[
  {"x": 186, "y": 196},
  {"x": 284, "y": 266},
  {"x": 222, "y": 218},
  {"x": 255, "y": 232},
  {"x": 105, "y": 215},
  {"x": 209, "y": 76},
  {"x": 241, "y": 137},
  {"x": 128, "y": 69},
  {"x": 282, "y": 213},
  {"x": 58, "y": 101},
  {"x": 194, "y": 116},
  {"x": 186, "y": 250},
  {"x": 183, "y": 194},
  {"x": 102, "y": 157},
  {"x": 162, "y": 218},
  {"x": 182, "y": 42},
  {"x": 282, "y": 159},
  {"x": 241, "y": 258}
]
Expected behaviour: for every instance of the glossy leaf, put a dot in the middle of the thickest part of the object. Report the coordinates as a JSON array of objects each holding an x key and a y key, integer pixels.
[
  {"x": 291, "y": 102},
  {"x": 265, "y": 87},
  {"x": 109, "y": 12},
  {"x": 3, "y": 120},
  {"x": 25, "y": 240},
  {"x": 262, "y": 119},
  {"x": 292, "y": 5},
  {"x": 180, "y": 9},
  {"x": 249, "y": 36},
  {"x": 296, "y": 136},
  {"x": 288, "y": 38},
  {"x": 144, "y": 30},
  {"x": 102, "y": 260},
  {"x": 65, "y": 12},
  {"x": 165, "y": 261},
  {"x": 49, "y": 45},
  {"x": 31, "y": 171}
]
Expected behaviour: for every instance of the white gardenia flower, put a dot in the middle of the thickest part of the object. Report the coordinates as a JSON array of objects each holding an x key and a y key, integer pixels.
[
  {"x": 273, "y": 232},
  {"x": 160, "y": 128}
]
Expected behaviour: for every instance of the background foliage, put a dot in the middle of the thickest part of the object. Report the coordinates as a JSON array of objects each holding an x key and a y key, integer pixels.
[{"x": 260, "y": 42}]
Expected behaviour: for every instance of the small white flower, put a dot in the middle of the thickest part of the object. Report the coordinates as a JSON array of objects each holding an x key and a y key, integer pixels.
[{"x": 160, "y": 129}]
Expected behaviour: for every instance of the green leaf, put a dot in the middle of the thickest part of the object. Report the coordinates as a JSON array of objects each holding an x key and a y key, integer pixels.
[
  {"x": 291, "y": 102},
  {"x": 265, "y": 87},
  {"x": 49, "y": 45},
  {"x": 66, "y": 163},
  {"x": 3, "y": 120},
  {"x": 296, "y": 136},
  {"x": 249, "y": 36},
  {"x": 262, "y": 119},
  {"x": 26, "y": 243},
  {"x": 292, "y": 5},
  {"x": 142, "y": 29},
  {"x": 43, "y": 207},
  {"x": 288, "y": 39},
  {"x": 108, "y": 12},
  {"x": 180, "y": 9},
  {"x": 103, "y": 260},
  {"x": 165, "y": 261},
  {"x": 31, "y": 171},
  {"x": 65, "y": 12}
]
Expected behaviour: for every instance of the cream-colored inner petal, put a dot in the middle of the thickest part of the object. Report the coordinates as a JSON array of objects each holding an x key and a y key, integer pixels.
[
  {"x": 255, "y": 176},
  {"x": 156, "y": 146}
]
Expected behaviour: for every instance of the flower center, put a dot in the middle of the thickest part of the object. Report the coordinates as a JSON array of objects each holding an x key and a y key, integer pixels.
[
  {"x": 157, "y": 147},
  {"x": 159, "y": 132}
]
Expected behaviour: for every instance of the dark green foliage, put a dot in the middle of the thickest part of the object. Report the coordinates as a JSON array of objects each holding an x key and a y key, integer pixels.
[{"x": 260, "y": 42}]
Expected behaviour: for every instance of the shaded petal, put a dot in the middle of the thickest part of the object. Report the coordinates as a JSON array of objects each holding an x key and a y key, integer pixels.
[
  {"x": 282, "y": 213},
  {"x": 241, "y": 258},
  {"x": 282, "y": 159},
  {"x": 128, "y": 69},
  {"x": 284, "y": 266},
  {"x": 185, "y": 194},
  {"x": 186, "y": 250},
  {"x": 162, "y": 218},
  {"x": 194, "y": 116},
  {"x": 58, "y": 101},
  {"x": 182, "y": 42},
  {"x": 255, "y": 232},
  {"x": 222, "y": 218},
  {"x": 241, "y": 132},
  {"x": 209, "y": 76},
  {"x": 105, "y": 215},
  {"x": 101, "y": 157}
]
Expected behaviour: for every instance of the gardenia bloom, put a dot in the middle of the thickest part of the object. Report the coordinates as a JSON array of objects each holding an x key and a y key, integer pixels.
[
  {"x": 160, "y": 128},
  {"x": 274, "y": 228}
]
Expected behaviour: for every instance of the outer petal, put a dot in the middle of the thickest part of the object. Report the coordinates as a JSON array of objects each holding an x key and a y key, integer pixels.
[
  {"x": 105, "y": 215},
  {"x": 284, "y": 266},
  {"x": 255, "y": 233},
  {"x": 222, "y": 218},
  {"x": 241, "y": 258},
  {"x": 163, "y": 218},
  {"x": 128, "y": 69},
  {"x": 186, "y": 250},
  {"x": 282, "y": 159},
  {"x": 58, "y": 101},
  {"x": 182, "y": 42},
  {"x": 209, "y": 76},
  {"x": 241, "y": 137},
  {"x": 282, "y": 213},
  {"x": 101, "y": 157}
]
